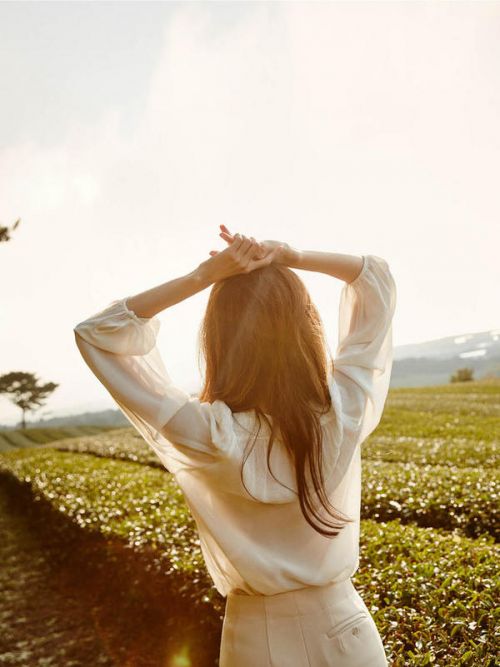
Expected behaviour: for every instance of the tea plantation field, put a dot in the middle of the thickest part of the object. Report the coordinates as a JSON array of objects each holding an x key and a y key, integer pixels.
[
  {"x": 101, "y": 515},
  {"x": 30, "y": 437}
]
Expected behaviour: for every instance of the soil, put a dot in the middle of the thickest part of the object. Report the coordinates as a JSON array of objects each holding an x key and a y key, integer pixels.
[{"x": 72, "y": 598}]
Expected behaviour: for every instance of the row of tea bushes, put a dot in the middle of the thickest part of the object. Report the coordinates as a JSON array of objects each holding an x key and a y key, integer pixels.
[
  {"x": 434, "y": 595},
  {"x": 428, "y": 495},
  {"x": 126, "y": 444},
  {"x": 30, "y": 437},
  {"x": 455, "y": 425},
  {"x": 432, "y": 496},
  {"x": 398, "y": 422},
  {"x": 137, "y": 503},
  {"x": 445, "y": 451},
  {"x": 407, "y": 575},
  {"x": 123, "y": 444}
]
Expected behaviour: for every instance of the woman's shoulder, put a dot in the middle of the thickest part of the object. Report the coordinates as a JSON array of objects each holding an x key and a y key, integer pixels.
[{"x": 229, "y": 428}]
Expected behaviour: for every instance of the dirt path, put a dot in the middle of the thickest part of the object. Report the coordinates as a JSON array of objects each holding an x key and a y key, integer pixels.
[
  {"x": 69, "y": 598},
  {"x": 43, "y": 622}
]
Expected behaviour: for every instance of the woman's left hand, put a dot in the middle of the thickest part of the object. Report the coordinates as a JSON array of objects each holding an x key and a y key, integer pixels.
[{"x": 242, "y": 256}]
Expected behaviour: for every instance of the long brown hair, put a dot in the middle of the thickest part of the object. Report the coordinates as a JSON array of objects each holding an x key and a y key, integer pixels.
[{"x": 264, "y": 348}]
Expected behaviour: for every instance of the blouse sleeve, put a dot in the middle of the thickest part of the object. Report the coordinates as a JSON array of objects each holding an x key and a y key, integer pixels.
[
  {"x": 363, "y": 359},
  {"x": 120, "y": 349}
]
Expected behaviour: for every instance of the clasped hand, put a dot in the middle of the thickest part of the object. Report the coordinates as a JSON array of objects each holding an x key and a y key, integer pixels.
[{"x": 243, "y": 255}]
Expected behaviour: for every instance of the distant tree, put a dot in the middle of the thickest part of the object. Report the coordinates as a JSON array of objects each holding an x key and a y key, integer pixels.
[
  {"x": 4, "y": 231},
  {"x": 462, "y": 375},
  {"x": 24, "y": 390}
]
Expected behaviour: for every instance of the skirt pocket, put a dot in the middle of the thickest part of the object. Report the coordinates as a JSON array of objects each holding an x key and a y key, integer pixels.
[
  {"x": 356, "y": 638},
  {"x": 352, "y": 623}
]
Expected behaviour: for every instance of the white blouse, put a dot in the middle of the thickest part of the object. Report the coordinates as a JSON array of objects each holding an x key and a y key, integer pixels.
[{"x": 261, "y": 544}]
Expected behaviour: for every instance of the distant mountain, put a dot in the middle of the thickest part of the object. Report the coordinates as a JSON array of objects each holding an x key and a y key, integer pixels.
[
  {"x": 482, "y": 344},
  {"x": 415, "y": 365},
  {"x": 433, "y": 362}
]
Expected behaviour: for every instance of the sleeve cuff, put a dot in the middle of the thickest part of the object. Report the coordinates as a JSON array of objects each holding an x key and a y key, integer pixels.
[
  {"x": 360, "y": 275},
  {"x": 131, "y": 313},
  {"x": 119, "y": 330}
]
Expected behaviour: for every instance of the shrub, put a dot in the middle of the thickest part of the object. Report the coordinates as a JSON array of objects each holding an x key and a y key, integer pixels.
[
  {"x": 432, "y": 496},
  {"x": 432, "y": 593}
]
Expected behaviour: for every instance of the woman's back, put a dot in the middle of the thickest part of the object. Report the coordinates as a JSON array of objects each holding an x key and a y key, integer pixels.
[{"x": 253, "y": 535}]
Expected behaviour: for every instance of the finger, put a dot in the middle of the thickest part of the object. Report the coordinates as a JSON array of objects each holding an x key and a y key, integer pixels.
[
  {"x": 237, "y": 241},
  {"x": 213, "y": 252},
  {"x": 265, "y": 261},
  {"x": 260, "y": 263},
  {"x": 257, "y": 246},
  {"x": 260, "y": 249},
  {"x": 243, "y": 245},
  {"x": 246, "y": 250},
  {"x": 224, "y": 229},
  {"x": 227, "y": 237},
  {"x": 251, "y": 251}
]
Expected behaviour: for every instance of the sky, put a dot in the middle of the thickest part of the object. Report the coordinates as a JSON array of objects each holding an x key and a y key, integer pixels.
[{"x": 130, "y": 131}]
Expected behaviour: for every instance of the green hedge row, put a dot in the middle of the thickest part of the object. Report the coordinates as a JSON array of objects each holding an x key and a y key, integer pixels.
[
  {"x": 432, "y": 496},
  {"x": 428, "y": 495},
  {"x": 126, "y": 444},
  {"x": 140, "y": 504},
  {"x": 455, "y": 425},
  {"x": 123, "y": 444},
  {"x": 397, "y": 422},
  {"x": 29, "y": 437},
  {"x": 433, "y": 594},
  {"x": 444, "y": 451}
]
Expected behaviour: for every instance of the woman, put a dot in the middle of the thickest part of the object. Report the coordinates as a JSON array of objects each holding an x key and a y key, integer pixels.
[{"x": 268, "y": 455}]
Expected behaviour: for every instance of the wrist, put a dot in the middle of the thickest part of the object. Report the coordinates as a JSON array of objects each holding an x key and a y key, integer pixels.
[
  {"x": 200, "y": 277},
  {"x": 293, "y": 257}
]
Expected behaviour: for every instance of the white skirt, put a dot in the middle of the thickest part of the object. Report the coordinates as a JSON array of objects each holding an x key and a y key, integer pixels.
[{"x": 317, "y": 626}]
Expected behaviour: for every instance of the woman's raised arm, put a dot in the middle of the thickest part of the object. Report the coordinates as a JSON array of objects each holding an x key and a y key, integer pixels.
[
  {"x": 363, "y": 358},
  {"x": 336, "y": 264}
]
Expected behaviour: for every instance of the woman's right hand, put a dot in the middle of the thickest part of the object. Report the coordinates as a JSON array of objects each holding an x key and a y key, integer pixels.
[{"x": 285, "y": 255}]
